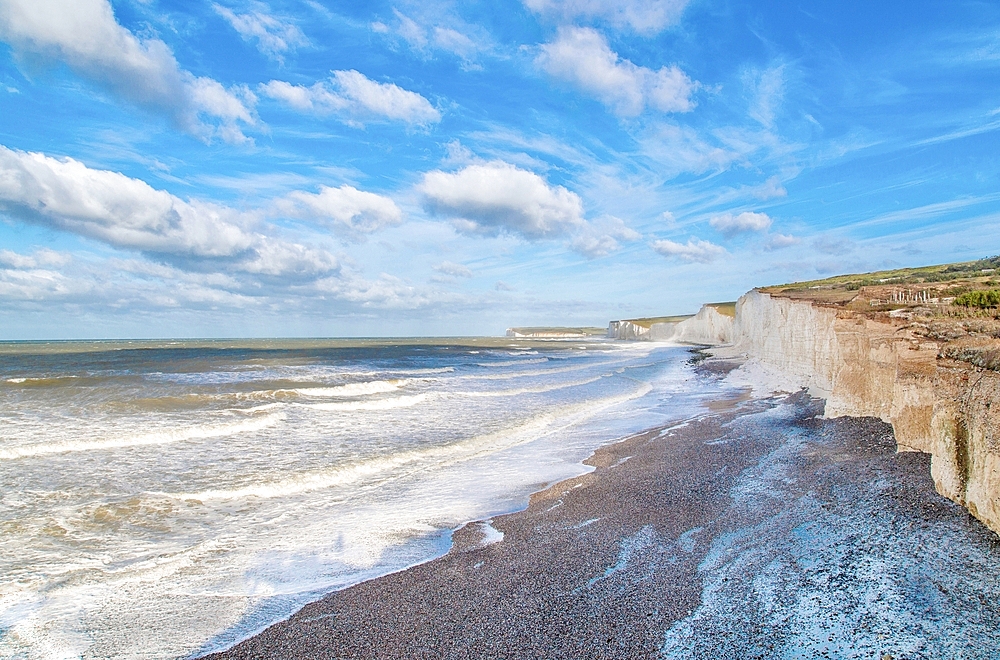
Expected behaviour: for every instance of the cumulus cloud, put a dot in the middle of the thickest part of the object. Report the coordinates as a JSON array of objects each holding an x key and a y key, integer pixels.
[
  {"x": 581, "y": 56},
  {"x": 356, "y": 97},
  {"x": 643, "y": 16},
  {"x": 273, "y": 36},
  {"x": 36, "y": 277},
  {"x": 695, "y": 250},
  {"x": 781, "y": 241},
  {"x": 86, "y": 37},
  {"x": 729, "y": 225},
  {"x": 347, "y": 210},
  {"x": 129, "y": 213},
  {"x": 498, "y": 197},
  {"x": 601, "y": 238},
  {"x": 453, "y": 269}
]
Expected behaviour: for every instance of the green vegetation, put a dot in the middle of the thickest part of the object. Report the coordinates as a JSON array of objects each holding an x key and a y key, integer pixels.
[
  {"x": 648, "y": 322},
  {"x": 988, "y": 267},
  {"x": 988, "y": 298},
  {"x": 725, "y": 308}
]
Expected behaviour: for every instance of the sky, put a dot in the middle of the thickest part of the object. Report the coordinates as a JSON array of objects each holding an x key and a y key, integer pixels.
[{"x": 236, "y": 168}]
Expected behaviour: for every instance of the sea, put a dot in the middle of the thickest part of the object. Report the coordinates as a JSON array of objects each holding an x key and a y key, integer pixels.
[{"x": 166, "y": 499}]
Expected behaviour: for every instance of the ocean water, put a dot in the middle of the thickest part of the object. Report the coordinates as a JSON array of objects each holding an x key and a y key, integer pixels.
[{"x": 166, "y": 499}]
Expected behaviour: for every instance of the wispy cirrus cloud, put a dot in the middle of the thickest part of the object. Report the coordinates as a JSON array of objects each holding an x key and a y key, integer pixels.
[
  {"x": 272, "y": 35},
  {"x": 582, "y": 56},
  {"x": 85, "y": 36},
  {"x": 356, "y": 98},
  {"x": 603, "y": 237},
  {"x": 642, "y": 16},
  {"x": 446, "y": 34}
]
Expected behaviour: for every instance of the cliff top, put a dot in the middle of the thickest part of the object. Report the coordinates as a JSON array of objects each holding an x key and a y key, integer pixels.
[
  {"x": 724, "y": 308},
  {"x": 892, "y": 289},
  {"x": 955, "y": 305}
]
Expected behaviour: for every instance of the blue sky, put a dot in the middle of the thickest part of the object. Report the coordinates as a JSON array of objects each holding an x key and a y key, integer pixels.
[{"x": 307, "y": 168}]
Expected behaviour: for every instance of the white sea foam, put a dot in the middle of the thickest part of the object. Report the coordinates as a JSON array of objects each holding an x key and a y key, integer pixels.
[
  {"x": 530, "y": 390},
  {"x": 440, "y": 456},
  {"x": 201, "y": 431},
  {"x": 513, "y": 363},
  {"x": 352, "y": 389},
  {"x": 350, "y": 469},
  {"x": 378, "y": 404}
]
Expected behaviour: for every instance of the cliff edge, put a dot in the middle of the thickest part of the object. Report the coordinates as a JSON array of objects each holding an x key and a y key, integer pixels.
[{"x": 933, "y": 378}]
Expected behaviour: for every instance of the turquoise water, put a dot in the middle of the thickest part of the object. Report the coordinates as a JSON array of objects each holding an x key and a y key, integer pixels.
[{"x": 165, "y": 498}]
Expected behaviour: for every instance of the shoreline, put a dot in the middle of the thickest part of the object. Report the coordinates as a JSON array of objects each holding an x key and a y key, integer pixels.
[{"x": 624, "y": 560}]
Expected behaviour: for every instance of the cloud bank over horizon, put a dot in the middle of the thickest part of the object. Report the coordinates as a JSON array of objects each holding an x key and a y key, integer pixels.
[{"x": 240, "y": 167}]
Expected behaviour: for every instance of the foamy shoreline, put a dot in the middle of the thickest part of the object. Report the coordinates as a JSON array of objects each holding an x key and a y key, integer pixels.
[{"x": 649, "y": 553}]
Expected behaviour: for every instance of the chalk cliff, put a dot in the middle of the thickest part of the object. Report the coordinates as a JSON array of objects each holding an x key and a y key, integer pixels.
[
  {"x": 883, "y": 367},
  {"x": 708, "y": 326},
  {"x": 628, "y": 330}
]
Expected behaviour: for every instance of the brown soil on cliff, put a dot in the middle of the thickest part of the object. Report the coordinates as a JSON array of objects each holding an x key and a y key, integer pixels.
[{"x": 920, "y": 302}]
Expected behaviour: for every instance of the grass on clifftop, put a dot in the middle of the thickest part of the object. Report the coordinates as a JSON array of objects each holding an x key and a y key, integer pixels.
[
  {"x": 976, "y": 274},
  {"x": 724, "y": 308}
]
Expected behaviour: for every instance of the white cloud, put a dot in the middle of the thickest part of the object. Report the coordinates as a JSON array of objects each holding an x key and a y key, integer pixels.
[
  {"x": 281, "y": 259},
  {"x": 497, "y": 196},
  {"x": 427, "y": 38},
  {"x": 602, "y": 237},
  {"x": 357, "y": 97},
  {"x": 23, "y": 278},
  {"x": 86, "y": 37},
  {"x": 273, "y": 36},
  {"x": 679, "y": 149},
  {"x": 346, "y": 209},
  {"x": 767, "y": 89},
  {"x": 129, "y": 213},
  {"x": 769, "y": 189},
  {"x": 453, "y": 269},
  {"x": 695, "y": 250},
  {"x": 834, "y": 246},
  {"x": 643, "y": 16},
  {"x": 582, "y": 57},
  {"x": 41, "y": 257},
  {"x": 729, "y": 225},
  {"x": 781, "y": 241}
]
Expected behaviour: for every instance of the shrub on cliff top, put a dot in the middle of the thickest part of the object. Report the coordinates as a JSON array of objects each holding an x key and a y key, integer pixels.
[{"x": 989, "y": 298}]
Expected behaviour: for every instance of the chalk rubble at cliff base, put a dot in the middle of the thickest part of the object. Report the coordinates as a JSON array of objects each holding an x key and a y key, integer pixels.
[{"x": 866, "y": 367}]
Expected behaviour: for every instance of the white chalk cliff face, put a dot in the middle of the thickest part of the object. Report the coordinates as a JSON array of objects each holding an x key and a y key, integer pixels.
[
  {"x": 863, "y": 367},
  {"x": 708, "y": 326}
]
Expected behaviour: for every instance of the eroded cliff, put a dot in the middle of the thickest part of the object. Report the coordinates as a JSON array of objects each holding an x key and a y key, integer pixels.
[{"x": 896, "y": 367}]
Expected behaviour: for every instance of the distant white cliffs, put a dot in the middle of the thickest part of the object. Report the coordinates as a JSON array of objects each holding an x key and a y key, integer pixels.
[
  {"x": 552, "y": 333},
  {"x": 709, "y": 326}
]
